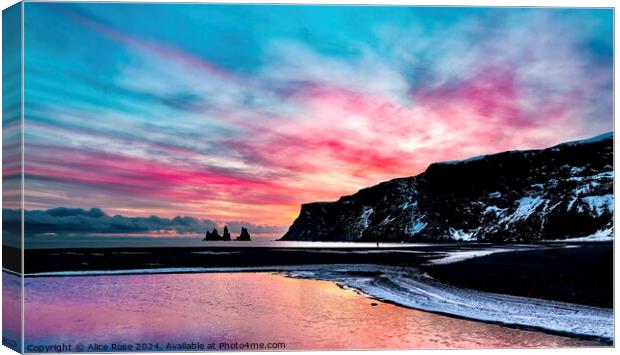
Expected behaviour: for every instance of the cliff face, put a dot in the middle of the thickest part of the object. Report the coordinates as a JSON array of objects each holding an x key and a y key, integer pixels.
[{"x": 561, "y": 192}]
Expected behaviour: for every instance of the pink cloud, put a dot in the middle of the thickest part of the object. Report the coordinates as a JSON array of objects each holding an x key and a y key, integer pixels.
[{"x": 316, "y": 128}]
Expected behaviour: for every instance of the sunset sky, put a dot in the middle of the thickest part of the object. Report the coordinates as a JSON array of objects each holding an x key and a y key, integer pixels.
[{"x": 242, "y": 113}]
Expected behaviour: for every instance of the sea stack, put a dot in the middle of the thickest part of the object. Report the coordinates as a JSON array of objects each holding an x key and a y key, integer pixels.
[
  {"x": 244, "y": 236},
  {"x": 213, "y": 235},
  {"x": 226, "y": 234}
]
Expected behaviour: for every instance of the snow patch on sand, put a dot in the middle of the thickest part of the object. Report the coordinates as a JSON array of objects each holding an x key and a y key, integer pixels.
[
  {"x": 409, "y": 287},
  {"x": 457, "y": 256}
]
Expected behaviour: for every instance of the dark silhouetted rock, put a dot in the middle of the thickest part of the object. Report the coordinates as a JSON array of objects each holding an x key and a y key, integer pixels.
[
  {"x": 226, "y": 234},
  {"x": 244, "y": 236},
  {"x": 556, "y": 193},
  {"x": 213, "y": 235}
]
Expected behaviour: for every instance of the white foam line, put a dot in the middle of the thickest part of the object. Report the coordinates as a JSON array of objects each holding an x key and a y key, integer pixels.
[
  {"x": 457, "y": 256},
  {"x": 410, "y": 288}
]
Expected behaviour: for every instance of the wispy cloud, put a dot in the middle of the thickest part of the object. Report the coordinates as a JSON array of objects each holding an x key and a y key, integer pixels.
[
  {"x": 62, "y": 221},
  {"x": 213, "y": 119}
]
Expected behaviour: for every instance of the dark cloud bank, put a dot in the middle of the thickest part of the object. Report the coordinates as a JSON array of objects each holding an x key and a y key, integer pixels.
[{"x": 63, "y": 221}]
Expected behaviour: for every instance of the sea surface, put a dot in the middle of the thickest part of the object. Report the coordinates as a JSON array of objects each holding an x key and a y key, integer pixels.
[
  {"x": 89, "y": 241},
  {"x": 163, "y": 310}
]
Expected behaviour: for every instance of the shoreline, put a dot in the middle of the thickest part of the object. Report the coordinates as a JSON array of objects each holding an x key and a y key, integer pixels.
[
  {"x": 578, "y": 273},
  {"x": 417, "y": 291},
  {"x": 419, "y": 277},
  {"x": 355, "y": 277},
  {"x": 604, "y": 341},
  {"x": 293, "y": 319}
]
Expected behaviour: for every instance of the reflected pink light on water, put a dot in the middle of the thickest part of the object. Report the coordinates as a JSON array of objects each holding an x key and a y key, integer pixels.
[
  {"x": 240, "y": 307},
  {"x": 11, "y": 310}
]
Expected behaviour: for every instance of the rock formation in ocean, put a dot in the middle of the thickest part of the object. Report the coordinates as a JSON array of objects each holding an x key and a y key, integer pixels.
[
  {"x": 561, "y": 192},
  {"x": 226, "y": 234},
  {"x": 214, "y": 235},
  {"x": 245, "y": 235}
]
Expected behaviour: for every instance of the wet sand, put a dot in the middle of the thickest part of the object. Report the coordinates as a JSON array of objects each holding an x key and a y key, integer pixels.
[
  {"x": 571, "y": 272},
  {"x": 580, "y": 274}
]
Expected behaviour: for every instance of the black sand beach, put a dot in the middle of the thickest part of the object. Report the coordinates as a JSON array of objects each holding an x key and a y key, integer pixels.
[
  {"x": 581, "y": 274},
  {"x": 571, "y": 272}
]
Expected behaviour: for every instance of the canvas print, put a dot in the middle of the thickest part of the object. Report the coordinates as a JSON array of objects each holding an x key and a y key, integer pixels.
[{"x": 210, "y": 177}]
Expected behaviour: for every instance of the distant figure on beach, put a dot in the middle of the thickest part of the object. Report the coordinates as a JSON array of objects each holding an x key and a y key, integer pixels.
[
  {"x": 245, "y": 235},
  {"x": 377, "y": 243}
]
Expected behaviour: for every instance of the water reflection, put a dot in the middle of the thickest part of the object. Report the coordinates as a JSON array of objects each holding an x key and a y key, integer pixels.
[
  {"x": 11, "y": 310},
  {"x": 246, "y": 307},
  {"x": 136, "y": 241}
]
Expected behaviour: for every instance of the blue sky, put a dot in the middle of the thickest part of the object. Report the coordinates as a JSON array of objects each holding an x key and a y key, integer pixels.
[{"x": 242, "y": 113}]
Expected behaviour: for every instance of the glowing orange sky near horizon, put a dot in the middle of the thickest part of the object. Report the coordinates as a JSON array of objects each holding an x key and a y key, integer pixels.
[{"x": 151, "y": 123}]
